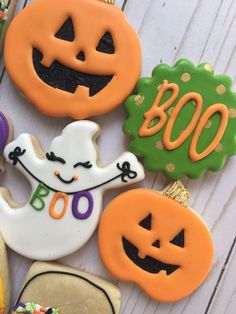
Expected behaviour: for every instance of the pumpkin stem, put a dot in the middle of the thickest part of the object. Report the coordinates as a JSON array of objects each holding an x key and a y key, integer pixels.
[
  {"x": 178, "y": 192},
  {"x": 109, "y": 1}
]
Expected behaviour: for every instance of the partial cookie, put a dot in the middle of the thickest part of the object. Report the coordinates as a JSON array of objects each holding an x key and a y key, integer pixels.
[
  {"x": 183, "y": 120},
  {"x": 7, "y": 8},
  {"x": 6, "y": 134},
  {"x": 80, "y": 58},
  {"x": 155, "y": 240},
  {"x": 5, "y": 286},
  {"x": 67, "y": 186},
  {"x": 33, "y": 308},
  {"x": 69, "y": 290}
]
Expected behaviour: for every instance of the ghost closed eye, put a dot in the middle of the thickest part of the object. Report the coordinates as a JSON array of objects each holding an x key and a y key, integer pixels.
[
  {"x": 86, "y": 165},
  {"x": 52, "y": 157}
]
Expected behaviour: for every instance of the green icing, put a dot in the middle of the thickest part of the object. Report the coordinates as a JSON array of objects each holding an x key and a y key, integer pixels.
[
  {"x": 203, "y": 81},
  {"x": 37, "y": 200}
]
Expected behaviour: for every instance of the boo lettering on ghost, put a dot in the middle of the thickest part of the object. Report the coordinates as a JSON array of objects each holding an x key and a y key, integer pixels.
[{"x": 38, "y": 203}]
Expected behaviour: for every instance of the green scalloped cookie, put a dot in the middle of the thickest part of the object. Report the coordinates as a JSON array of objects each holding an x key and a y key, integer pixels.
[{"x": 187, "y": 128}]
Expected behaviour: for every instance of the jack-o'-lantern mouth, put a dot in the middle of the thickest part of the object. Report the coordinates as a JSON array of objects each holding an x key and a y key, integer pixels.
[
  {"x": 148, "y": 263},
  {"x": 61, "y": 77}
]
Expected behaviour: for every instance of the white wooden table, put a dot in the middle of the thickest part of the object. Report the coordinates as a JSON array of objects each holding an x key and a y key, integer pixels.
[{"x": 201, "y": 30}]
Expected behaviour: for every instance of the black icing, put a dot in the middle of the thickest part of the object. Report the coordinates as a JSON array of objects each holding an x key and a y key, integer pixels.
[
  {"x": 66, "y": 32},
  {"x": 148, "y": 263},
  {"x": 179, "y": 239},
  {"x": 59, "y": 76},
  {"x": 146, "y": 223},
  {"x": 106, "y": 44}
]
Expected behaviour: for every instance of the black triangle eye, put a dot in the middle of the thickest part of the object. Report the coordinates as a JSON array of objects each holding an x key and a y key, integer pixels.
[
  {"x": 179, "y": 239},
  {"x": 66, "y": 32},
  {"x": 106, "y": 44},
  {"x": 146, "y": 223},
  {"x": 156, "y": 244}
]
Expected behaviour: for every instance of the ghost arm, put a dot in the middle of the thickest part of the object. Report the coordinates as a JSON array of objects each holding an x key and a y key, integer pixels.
[
  {"x": 124, "y": 171},
  {"x": 24, "y": 153}
]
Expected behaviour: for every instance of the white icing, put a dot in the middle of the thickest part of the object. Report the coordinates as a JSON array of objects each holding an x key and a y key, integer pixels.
[{"x": 36, "y": 234}]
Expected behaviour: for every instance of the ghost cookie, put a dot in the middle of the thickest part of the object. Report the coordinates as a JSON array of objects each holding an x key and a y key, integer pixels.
[
  {"x": 33, "y": 308},
  {"x": 155, "y": 240},
  {"x": 183, "y": 120},
  {"x": 7, "y": 8},
  {"x": 76, "y": 61},
  {"x": 69, "y": 291},
  {"x": 6, "y": 134},
  {"x": 67, "y": 186},
  {"x": 5, "y": 287}
]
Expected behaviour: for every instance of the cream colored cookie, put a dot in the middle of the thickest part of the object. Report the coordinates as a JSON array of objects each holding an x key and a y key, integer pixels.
[
  {"x": 69, "y": 290},
  {"x": 5, "y": 292}
]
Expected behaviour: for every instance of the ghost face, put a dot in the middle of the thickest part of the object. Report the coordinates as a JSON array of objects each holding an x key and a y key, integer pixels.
[{"x": 71, "y": 163}]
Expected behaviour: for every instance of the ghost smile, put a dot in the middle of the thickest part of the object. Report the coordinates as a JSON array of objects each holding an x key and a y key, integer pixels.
[
  {"x": 148, "y": 263},
  {"x": 61, "y": 77},
  {"x": 65, "y": 181}
]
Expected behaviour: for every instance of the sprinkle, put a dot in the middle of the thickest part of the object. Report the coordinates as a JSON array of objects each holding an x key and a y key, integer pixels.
[
  {"x": 33, "y": 308},
  {"x": 139, "y": 100},
  {"x": 170, "y": 167},
  {"x": 209, "y": 67},
  {"x": 220, "y": 89},
  {"x": 186, "y": 77}
]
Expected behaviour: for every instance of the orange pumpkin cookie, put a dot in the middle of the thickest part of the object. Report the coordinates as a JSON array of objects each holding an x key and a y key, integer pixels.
[
  {"x": 156, "y": 241},
  {"x": 79, "y": 58}
]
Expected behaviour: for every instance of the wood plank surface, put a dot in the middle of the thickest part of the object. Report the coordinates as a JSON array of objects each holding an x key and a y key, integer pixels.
[{"x": 200, "y": 30}]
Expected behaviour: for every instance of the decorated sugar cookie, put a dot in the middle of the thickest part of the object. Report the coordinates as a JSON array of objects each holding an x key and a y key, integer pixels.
[
  {"x": 6, "y": 132},
  {"x": 7, "y": 8},
  {"x": 67, "y": 186},
  {"x": 69, "y": 291},
  {"x": 183, "y": 120},
  {"x": 32, "y": 308},
  {"x": 5, "y": 287},
  {"x": 156, "y": 241},
  {"x": 80, "y": 58}
]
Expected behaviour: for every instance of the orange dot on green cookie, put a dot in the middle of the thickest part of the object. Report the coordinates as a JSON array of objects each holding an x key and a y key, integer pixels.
[
  {"x": 208, "y": 124},
  {"x": 171, "y": 110},
  {"x": 159, "y": 145},
  {"x": 209, "y": 67},
  {"x": 139, "y": 100},
  {"x": 186, "y": 77},
  {"x": 220, "y": 89},
  {"x": 232, "y": 113},
  {"x": 170, "y": 167},
  {"x": 219, "y": 148}
]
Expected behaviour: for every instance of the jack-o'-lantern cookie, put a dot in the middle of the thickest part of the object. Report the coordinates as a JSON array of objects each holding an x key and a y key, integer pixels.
[
  {"x": 5, "y": 287},
  {"x": 6, "y": 134},
  {"x": 7, "y": 8},
  {"x": 68, "y": 291},
  {"x": 156, "y": 241},
  {"x": 80, "y": 58},
  {"x": 183, "y": 120},
  {"x": 67, "y": 186}
]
